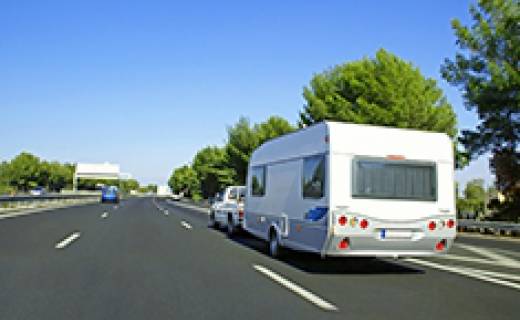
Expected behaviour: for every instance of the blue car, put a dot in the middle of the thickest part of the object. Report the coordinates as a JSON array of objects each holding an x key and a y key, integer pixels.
[{"x": 110, "y": 194}]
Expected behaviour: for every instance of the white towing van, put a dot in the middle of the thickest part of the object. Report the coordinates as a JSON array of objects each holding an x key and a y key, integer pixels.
[
  {"x": 228, "y": 209},
  {"x": 340, "y": 189}
]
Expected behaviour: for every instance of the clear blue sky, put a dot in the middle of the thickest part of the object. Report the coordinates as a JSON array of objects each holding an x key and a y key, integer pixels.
[{"x": 147, "y": 83}]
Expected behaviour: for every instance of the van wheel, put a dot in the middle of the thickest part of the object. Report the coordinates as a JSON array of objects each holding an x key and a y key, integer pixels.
[
  {"x": 231, "y": 230},
  {"x": 211, "y": 221},
  {"x": 274, "y": 247}
]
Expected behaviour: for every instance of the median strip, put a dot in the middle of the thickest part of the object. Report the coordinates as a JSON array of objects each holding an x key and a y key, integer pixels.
[
  {"x": 304, "y": 293},
  {"x": 68, "y": 240}
]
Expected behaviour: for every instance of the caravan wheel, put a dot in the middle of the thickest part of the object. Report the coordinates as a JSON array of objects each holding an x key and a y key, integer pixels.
[{"x": 274, "y": 247}]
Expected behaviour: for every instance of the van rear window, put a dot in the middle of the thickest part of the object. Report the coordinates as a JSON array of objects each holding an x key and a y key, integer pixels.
[{"x": 388, "y": 179}]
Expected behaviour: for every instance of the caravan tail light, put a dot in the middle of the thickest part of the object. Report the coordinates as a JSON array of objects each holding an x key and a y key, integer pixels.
[
  {"x": 342, "y": 220},
  {"x": 450, "y": 223},
  {"x": 241, "y": 214},
  {"x": 343, "y": 244},
  {"x": 441, "y": 245},
  {"x": 363, "y": 224},
  {"x": 432, "y": 225}
]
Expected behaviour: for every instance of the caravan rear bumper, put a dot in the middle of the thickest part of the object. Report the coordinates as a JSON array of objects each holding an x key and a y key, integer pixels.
[{"x": 340, "y": 245}]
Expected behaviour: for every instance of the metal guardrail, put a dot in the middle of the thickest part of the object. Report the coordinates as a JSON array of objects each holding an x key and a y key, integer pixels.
[
  {"x": 489, "y": 227},
  {"x": 57, "y": 196}
]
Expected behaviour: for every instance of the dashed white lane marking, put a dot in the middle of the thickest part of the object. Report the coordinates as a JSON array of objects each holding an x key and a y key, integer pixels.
[
  {"x": 468, "y": 272},
  {"x": 68, "y": 240},
  {"x": 157, "y": 206},
  {"x": 185, "y": 225},
  {"x": 304, "y": 293},
  {"x": 104, "y": 215},
  {"x": 486, "y": 253}
]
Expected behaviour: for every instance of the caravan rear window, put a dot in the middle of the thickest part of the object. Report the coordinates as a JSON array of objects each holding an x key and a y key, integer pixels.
[
  {"x": 258, "y": 181},
  {"x": 388, "y": 179}
]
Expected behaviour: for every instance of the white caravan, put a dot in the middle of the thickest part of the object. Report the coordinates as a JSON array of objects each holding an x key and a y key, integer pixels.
[{"x": 342, "y": 189}]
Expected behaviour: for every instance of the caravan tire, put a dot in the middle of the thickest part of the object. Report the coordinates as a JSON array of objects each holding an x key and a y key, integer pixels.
[{"x": 273, "y": 246}]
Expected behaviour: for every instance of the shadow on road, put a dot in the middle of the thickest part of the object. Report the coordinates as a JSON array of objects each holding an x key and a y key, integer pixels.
[{"x": 313, "y": 263}]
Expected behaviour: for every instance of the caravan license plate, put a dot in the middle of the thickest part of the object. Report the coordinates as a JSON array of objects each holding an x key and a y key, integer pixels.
[{"x": 395, "y": 234}]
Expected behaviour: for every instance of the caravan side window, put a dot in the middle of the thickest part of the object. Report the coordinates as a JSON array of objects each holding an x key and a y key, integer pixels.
[
  {"x": 258, "y": 181},
  {"x": 313, "y": 177}
]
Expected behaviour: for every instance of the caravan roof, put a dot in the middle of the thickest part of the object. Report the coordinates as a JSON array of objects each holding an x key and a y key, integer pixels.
[{"x": 355, "y": 139}]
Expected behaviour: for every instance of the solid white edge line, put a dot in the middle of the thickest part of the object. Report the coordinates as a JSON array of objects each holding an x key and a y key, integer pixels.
[
  {"x": 463, "y": 271},
  {"x": 185, "y": 224},
  {"x": 65, "y": 242},
  {"x": 307, "y": 295}
]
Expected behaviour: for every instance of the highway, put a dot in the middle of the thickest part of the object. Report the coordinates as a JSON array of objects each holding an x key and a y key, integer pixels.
[{"x": 156, "y": 259}]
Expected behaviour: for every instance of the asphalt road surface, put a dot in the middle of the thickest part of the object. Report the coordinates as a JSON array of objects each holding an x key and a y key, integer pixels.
[{"x": 156, "y": 259}]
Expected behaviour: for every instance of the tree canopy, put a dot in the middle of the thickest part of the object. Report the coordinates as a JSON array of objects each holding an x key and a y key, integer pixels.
[
  {"x": 243, "y": 139},
  {"x": 184, "y": 179},
  {"x": 475, "y": 198},
  {"x": 27, "y": 171},
  {"x": 486, "y": 69},
  {"x": 385, "y": 90},
  {"x": 212, "y": 169}
]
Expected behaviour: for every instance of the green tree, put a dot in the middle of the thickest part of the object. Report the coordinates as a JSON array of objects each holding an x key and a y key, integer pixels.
[
  {"x": 151, "y": 188},
  {"x": 476, "y": 195},
  {"x": 244, "y": 139},
  {"x": 184, "y": 179},
  {"x": 273, "y": 127},
  {"x": 384, "y": 91},
  {"x": 4, "y": 181},
  {"x": 25, "y": 172},
  {"x": 128, "y": 185},
  {"x": 55, "y": 176},
  {"x": 475, "y": 198},
  {"x": 486, "y": 69},
  {"x": 211, "y": 166}
]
